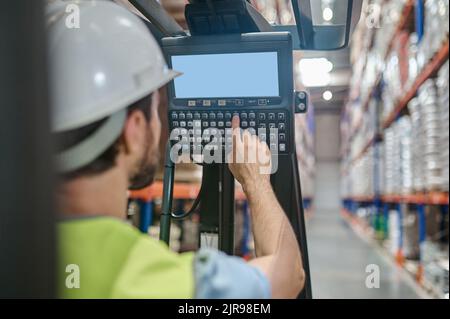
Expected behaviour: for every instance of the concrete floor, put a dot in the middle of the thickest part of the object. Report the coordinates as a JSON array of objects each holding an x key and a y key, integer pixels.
[{"x": 338, "y": 260}]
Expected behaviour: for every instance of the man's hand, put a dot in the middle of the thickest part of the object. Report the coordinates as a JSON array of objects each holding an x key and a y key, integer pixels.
[{"x": 248, "y": 161}]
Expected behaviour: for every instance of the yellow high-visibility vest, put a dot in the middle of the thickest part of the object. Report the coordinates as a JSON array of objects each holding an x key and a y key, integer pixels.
[{"x": 107, "y": 258}]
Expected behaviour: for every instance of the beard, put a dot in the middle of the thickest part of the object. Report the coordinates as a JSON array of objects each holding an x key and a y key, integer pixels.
[{"x": 146, "y": 170}]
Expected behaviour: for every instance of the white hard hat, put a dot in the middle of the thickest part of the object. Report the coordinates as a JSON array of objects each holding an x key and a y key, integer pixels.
[{"x": 97, "y": 70}]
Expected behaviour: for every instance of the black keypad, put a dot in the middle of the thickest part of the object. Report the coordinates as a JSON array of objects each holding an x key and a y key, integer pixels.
[{"x": 196, "y": 129}]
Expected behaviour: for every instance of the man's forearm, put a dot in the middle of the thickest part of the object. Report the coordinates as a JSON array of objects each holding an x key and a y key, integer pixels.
[
  {"x": 277, "y": 250},
  {"x": 267, "y": 218}
]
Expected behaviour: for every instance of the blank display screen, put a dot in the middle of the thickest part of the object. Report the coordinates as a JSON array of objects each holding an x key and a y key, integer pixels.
[{"x": 226, "y": 75}]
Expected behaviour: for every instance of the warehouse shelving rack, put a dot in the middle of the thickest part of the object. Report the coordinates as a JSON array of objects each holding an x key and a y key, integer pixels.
[{"x": 383, "y": 204}]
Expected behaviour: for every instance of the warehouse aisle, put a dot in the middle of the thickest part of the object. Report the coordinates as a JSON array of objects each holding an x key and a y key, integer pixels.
[{"x": 338, "y": 259}]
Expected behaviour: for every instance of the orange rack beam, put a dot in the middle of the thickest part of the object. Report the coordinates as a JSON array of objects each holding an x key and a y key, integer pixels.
[
  {"x": 180, "y": 191},
  {"x": 431, "y": 198}
]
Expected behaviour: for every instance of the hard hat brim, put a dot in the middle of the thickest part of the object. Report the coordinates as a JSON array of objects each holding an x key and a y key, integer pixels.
[{"x": 172, "y": 74}]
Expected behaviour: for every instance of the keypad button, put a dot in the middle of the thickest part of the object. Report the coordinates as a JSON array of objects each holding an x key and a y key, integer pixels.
[
  {"x": 228, "y": 116},
  {"x": 228, "y": 124},
  {"x": 262, "y": 125},
  {"x": 189, "y": 116},
  {"x": 252, "y": 115},
  {"x": 244, "y": 124},
  {"x": 205, "y": 124},
  {"x": 282, "y": 137},
  {"x": 272, "y": 138},
  {"x": 204, "y": 116},
  {"x": 262, "y": 116},
  {"x": 282, "y": 147},
  {"x": 174, "y": 116},
  {"x": 197, "y": 124},
  {"x": 212, "y": 124},
  {"x": 263, "y": 137},
  {"x": 281, "y": 116},
  {"x": 182, "y": 116},
  {"x": 220, "y": 124},
  {"x": 252, "y": 124},
  {"x": 182, "y": 124},
  {"x": 271, "y": 117},
  {"x": 197, "y": 116},
  {"x": 220, "y": 116},
  {"x": 282, "y": 127},
  {"x": 244, "y": 116},
  {"x": 252, "y": 131},
  {"x": 190, "y": 124},
  {"x": 183, "y": 132},
  {"x": 273, "y": 147},
  {"x": 212, "y": 116},
  {"x": 175, "y": 124},
  {"x": 272, "y": 125}
]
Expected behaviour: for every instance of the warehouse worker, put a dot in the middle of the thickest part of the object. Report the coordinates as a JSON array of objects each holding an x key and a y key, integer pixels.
[{"x": 105, "y": 78}]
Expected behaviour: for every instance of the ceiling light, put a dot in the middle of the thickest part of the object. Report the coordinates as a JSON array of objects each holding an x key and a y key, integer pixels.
[
  {"x": 315, "y": 72},
  {"x": 327, "y": 95},
  {"x": 327, "y": 14}
]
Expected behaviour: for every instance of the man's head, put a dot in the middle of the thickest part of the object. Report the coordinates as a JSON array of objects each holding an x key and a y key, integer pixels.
[
  {"x": 135, "y": 150},
  {"x": 105, "y": 78}
]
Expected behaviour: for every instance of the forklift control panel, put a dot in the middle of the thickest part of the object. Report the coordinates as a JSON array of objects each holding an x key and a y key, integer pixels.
[{"x": 247, "y": 75}]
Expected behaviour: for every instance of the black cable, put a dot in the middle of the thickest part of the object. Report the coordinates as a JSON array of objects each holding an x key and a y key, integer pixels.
[{"x": 192, "y": 209}]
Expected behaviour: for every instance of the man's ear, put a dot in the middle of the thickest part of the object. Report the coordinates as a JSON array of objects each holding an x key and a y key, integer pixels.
[{"x": 134, "y": 133}]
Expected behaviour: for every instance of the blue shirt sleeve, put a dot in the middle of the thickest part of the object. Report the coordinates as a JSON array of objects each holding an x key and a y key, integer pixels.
[{"x": 219, "y": 276}]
